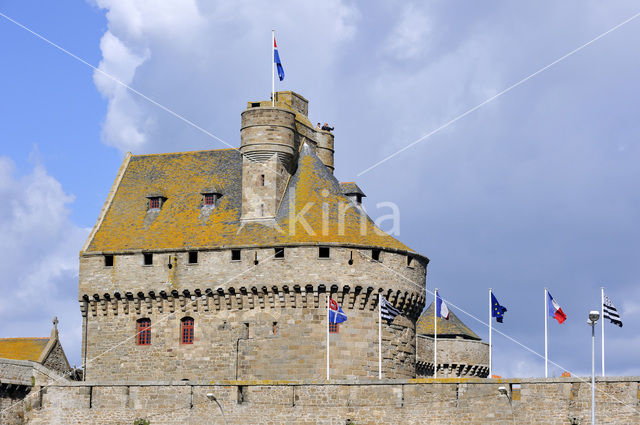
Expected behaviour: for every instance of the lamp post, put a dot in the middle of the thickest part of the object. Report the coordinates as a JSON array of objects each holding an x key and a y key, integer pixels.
[
  {"x": 212, "y": 397},
  {"x": 593, "y": 318}
]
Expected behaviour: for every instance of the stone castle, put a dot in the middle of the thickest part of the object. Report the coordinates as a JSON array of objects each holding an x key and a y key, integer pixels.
[
  {"x": 239, "y": 248},
  {"x": 206, "y": 277}
]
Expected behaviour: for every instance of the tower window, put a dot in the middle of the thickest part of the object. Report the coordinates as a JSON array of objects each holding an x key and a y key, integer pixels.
[
  {"x": 261, "y": 179},
  {"x": 334, "y": 328},
  {"x": 108, "y": 260},
  {"x": 147, "y": 259},
  {"x": 279, "y": 253},
  {"x": 144, "y": 331},
  {"x": 193, "y": 257},
  {"x": 261, "y": 210},
  {"x": 323, "y": 252},
  {"x": 375, "y": 254},
  {"x": 209, "y": 199},
  {"x": 235, "y": 255},
  {"x": 186, "y": 330},
  {"x": 409, "y": 261}
]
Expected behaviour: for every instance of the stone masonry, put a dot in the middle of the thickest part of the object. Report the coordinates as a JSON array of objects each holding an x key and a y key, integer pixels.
[{"x": 561, "y": 401}]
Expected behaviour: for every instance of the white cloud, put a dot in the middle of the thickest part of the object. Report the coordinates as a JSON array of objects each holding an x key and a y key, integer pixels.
[
  {"x": 38, "y": 255},
  {"x": 410, "y": 37},
  {"x": 183, "y": 54}
]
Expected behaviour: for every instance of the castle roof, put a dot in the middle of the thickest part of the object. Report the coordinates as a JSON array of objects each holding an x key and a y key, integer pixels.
[
  {"x": 446, "y": 328},
  {"x": 22, "y": 348},
  {"x": 181, "y": 178}
]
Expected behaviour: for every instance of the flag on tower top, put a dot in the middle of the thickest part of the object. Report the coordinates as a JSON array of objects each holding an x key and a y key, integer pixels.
[
  {"x": 554, "y": 309},
  {"x": 276, "y": 60}
]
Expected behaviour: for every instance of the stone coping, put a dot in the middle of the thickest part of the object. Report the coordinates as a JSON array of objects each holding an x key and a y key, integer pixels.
[
  {"x": 265, "y": 383},
  {"x": 50, "y": 373}
]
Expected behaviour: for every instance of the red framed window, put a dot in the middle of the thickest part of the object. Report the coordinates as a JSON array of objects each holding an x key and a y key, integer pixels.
[
  {"x": 154, "y": 202},
  {"x": 144, "y": 332},
  {"x": 333, "y": 328},
  {"x": 186, "y": 330},
  {"x": 209, "y": 199}
]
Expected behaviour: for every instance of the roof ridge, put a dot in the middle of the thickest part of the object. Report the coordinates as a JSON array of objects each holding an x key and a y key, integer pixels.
[{"x": 184, "y": 152}]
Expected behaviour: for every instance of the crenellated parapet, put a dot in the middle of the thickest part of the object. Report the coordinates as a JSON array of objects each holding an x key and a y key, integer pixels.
[{"x": 248, "y": 298}]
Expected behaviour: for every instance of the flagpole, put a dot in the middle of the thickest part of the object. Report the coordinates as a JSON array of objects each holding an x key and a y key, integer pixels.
[
  {"x": 490, "y": 330},
  {"x": 602, "y": 323},
  {"x": 546, "y": 346},
  {"x": 327, "y": 337},
  {"x": 435, "y": 333},
  {"x": 273, "y": 103},
  {"x": 379, "y": 337}
]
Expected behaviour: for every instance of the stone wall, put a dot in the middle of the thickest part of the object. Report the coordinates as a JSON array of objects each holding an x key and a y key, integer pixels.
[
  {"x": 445, "y": 401},
  {"x": 20, "y": 383},
  {"x": 288, "y": 293}
]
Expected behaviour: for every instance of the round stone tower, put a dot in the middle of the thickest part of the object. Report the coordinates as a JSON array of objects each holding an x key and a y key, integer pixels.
[
  {"x": 324, "y": 149},
  {"x": 266, "y": 132}
]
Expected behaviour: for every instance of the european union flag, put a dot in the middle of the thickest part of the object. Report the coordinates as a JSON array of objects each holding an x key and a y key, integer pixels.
[{"x": 497, "y": 310}]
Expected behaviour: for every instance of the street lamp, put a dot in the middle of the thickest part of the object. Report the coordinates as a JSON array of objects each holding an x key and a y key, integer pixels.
[
  {"x": 593, "y": 318},
  {"x": 211, "y": 397}
]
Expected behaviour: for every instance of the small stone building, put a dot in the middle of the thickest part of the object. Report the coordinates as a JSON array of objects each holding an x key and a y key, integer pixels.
[
  {"x": 26, "y": 364},
  {"x": 218, "y": 264}
]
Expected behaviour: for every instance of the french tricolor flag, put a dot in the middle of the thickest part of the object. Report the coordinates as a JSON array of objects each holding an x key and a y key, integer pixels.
[{"x": 554, "y": 309}]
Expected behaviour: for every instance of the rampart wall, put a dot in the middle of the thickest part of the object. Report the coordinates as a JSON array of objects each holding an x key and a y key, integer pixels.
[{"x": 445, "y": 401}]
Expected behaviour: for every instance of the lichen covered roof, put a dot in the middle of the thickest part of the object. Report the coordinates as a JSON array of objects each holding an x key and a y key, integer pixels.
[
  {"x": 350, "y": 188},
  {"x": 22, "y": 348},
  {"x": 180, "y": 224},
  {"x": 446, "y": 328}
]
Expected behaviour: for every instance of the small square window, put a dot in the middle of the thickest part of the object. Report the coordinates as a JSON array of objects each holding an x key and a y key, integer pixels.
[
  {"x": 334, "y": 328},
  {"x": 154, "y": 203},
  {"x": 193, "y": 257},
  {"x": 375, "y": 254},
  {"x": 235, "y": 255},
  {"x": 279, "y": 253},
  {"x": 148, "y": 258},
  {"x": 323, "y": 252},
  {"x": 108, "y": 260},
  {"x": 209, "y": 199}
]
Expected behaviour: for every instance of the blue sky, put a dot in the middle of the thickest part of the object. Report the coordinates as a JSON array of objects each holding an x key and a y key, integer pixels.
[{"x": 537, "y": 188}]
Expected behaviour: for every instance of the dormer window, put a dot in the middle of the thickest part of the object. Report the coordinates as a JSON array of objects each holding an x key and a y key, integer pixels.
[
  {"x": 210, "y": 197},
  {"x": 155, "y": 202}
]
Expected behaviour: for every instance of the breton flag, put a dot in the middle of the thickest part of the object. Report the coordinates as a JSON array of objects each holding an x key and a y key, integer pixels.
[
  {"x": 441, "y": 308},
  {"x": 497, "y": 310},
  {"x": 387, "y": 311},
  {"x": 276, "y": 60},
  {"x": 610, "y": 312},
  {"x": 336, "y": 315},
  {"x": 554, "y": 309}
]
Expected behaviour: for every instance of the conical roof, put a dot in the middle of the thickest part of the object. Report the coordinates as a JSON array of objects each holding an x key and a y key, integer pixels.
[{"x": 446, "y": 328}]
